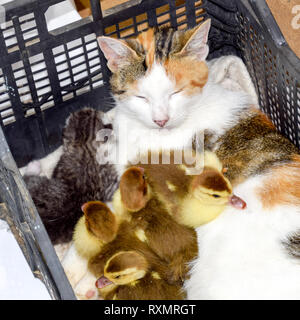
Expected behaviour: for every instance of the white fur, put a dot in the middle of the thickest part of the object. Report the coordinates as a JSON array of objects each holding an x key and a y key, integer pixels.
[
  {"x": 47, "y": 164},
  {"x": 33, "y": 168},
  {"x": 80, "y": 278},
  {"x": 232, "y": 74},
  {"x": 241, "y": 253},
  {"x": 74, "y": 265},
  {"x": 62, "y": 249}
]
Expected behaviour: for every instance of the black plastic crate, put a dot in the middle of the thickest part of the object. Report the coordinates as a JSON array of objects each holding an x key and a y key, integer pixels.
[
  {"x": 273, "y": 66},
  {"x": 44, "y": 76}
]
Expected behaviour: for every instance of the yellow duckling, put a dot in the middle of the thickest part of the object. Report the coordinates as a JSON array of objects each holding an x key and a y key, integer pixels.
[
  {"x": 192, "y": 199},
  {"x": 210, "y": 193},
  {"x": 95, "y": 228}
]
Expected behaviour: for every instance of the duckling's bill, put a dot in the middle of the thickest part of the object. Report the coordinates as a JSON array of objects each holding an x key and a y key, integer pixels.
[
  {"x": 103, "y": 282},
  {"x": 237, "y": 202}
]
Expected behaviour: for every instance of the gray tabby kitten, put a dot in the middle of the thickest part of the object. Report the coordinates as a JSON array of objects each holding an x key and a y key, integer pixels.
[{"x": 77, "y": 177}]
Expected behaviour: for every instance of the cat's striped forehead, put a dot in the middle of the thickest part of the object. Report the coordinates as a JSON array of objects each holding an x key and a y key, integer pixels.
[
  {"x": 166, "y": 47},
  {"x": 160, "y": 43}
]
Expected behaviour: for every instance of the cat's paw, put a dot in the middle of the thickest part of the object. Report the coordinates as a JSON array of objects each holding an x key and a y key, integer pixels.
[
  {"x": 86, "y": 289},
  {"x": 62, "y": 249},
  {"x": 34, "y": 168},
  {"x": 90, "y": 294},
  {"x": 109, "y": 116},
  {"x": 74, "y": 266}
]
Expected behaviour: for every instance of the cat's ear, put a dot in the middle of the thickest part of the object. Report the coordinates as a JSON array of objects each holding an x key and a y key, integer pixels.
[
  {"x": 197, "y": 43},
  {"x": 117, "y": 52}
]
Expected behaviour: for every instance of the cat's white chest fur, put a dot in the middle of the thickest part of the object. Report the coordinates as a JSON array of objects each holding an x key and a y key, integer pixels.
[{"x": 242, "y": 256}]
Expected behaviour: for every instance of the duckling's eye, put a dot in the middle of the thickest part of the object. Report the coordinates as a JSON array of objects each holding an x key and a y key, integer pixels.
[
  {"x": 216, "y": 196},
  {"x": 117, "y": 277}
]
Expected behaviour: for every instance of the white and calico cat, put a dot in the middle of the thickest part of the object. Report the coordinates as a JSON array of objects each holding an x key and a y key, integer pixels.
[{"x": 171, "y": 96}]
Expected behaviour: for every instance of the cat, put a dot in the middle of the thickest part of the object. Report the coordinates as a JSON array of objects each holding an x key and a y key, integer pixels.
[
  {"x": 164, "y": 95},
  {"x": 161, "y": 85},
  {"x": 76, "y": 179}
]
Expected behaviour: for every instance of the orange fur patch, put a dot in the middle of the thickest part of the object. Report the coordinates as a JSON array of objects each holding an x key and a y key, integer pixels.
[
  {"x": 190, "y": 75},
  {"x": 146, "y": 39},
  {"x": 264, "y": 119},
  {"x": 283, "y": 186}
]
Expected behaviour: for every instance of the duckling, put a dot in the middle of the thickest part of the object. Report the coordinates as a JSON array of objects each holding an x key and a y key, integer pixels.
[
  {"x": 174, "y": 243},
  {"x": 191, "y": 199},
  {"x": 95, "y": 228},
  {"x": 141, "y": 264},
  {"x": 166, "y": 204},
  {"x": 129, "y": 276},
  {"x": 163, "y": 203},
  {"x": 150, "y": 228},
  {"x": 210, "y": 193},
  {"x": 90, "y": 234}
]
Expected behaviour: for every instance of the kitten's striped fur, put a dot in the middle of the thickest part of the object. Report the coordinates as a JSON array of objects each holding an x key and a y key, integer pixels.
[{"x": 77, "y": 177}]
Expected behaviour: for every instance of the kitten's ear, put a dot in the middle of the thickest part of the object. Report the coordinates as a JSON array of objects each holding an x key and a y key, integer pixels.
[
  {"x": 134, "y": 189},
  {"x": 117, "y": 52},
  {"x": 197, "y": 44}
]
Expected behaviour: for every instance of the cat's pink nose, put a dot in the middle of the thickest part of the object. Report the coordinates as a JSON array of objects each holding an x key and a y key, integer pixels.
[{"x": 161, "y": 123}]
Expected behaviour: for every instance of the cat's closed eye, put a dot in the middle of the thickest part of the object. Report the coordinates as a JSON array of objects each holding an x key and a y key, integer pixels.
[
  {"x": 142, "y": 97},
  {"x": 175, "y": 92}
]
